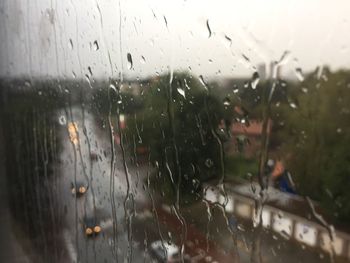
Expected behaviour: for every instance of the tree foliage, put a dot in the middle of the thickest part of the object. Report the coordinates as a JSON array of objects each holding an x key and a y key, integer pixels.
[
  {"x": 315, "y": 139},
  {"x": 179, "y": 126}
]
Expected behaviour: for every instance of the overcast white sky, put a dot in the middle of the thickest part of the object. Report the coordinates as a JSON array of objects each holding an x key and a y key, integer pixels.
[{"x": 56, "y": 38}]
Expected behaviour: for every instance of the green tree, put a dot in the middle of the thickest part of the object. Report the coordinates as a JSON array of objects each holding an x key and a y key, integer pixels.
[
  {"x": 179, "y": 125},
  {"x": 315, "y": 139}
]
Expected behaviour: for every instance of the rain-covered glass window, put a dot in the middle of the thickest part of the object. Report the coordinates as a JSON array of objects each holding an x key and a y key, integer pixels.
[{"x": 174, "y": 131}]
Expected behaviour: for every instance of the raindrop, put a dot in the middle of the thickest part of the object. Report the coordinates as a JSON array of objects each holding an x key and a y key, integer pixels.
[
  {"x": 88, "y": 80},
  {"x": 28, "y": 84},
  {"x": 208, "y": 27},
  {"x": 90, "y": 71},
  {"x": 128, "y": 56},
  {"x": 304, "y": 90},
  {"x": 293, "y": 105},
  {"x": 70, "y": 44},
  {"x": 255, "y": 80},
  {"x": 96, "y": 46},
  {"x": 235, "y": 89},
  {"x": 195, "y": 183},
  {"x": 62, "y": 120},
  {"x": 208, "y": 163},
  {"x": 112, "y": 87},
  {"x": 143, "y": 60},
  {"x": 339, "y": 130},
  {"x": 228, "y": 41},
  {"x": 181, "y": 91},
  {"x": 227, "y": 101},
  {"x": 299, "y": 74},
  {"x": 283, "y": 83},
  {"x": 241, "y": 228},
  {"x": 186, "y": 85},
  {"x": 246, "y": 58},
  {"x": 166, "y": 22},
  {"x": 201, "y": 79},
  {"x": 284, "y": 58}
]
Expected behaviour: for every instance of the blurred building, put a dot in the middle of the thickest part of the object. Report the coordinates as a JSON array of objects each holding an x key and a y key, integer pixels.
[{"x": 247, "y": 137}]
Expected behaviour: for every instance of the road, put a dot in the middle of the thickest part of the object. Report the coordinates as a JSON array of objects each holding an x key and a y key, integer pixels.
[
  {"x": 76, "y": 164},
  {"x": 140, "y": 219}
]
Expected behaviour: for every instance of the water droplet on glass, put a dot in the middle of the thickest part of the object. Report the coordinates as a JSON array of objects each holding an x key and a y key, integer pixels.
[
  {"x": 255, "y": 80},
  {"x": 27, "y": 84},
  {"x": 299, "y": 74},
  {"x": 112, "y": 87},
  {"x": 195, "y": 183},
  {"x": 90, "y": 70},
  {"x": 201, "y": 80},
  {"x": 293, "y": 105},
  {"x": 241, "y": 227},
  {"x": 96, "y": 46},
  {"x": 227, "y": 101},
  {"x": 246, "y": 58},
  {"x": 284, "y": 58},
  {"x": 186, "y": 85},
  {"x": 181, "y": 91},
  {"x": 129, "y": 58},
  {"x": 228, "y": 41},
  {"x": 208, "y": 27},
  {"x": 143, "y": 60},
  {"x": 208, "y": 163},
  {"x": 62, "y": 120},
  {"x": 70, "y": 44},
  {"x": 166, "y": 22}
]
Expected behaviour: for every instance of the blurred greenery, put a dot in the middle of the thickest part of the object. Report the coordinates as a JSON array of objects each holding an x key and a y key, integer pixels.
[
  {"x": 179, "y": 126},
  {"x": 240, "y": 166},
  {"x": 313, "y": 131},
  {"x": 182, "y": 126}
]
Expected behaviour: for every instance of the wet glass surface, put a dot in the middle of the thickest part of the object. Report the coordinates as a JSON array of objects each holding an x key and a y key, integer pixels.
[{"x": 174, "y": 132}]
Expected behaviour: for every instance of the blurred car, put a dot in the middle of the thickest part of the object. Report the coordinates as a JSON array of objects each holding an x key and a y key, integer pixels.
[
  {"x": 91, "y": 226},
  {"x": 79, "y": 188},
  {"x": 96, "y": 221},
  {"x": 166, "y": 252}
]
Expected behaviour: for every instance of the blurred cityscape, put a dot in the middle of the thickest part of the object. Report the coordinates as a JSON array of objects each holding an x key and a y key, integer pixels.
[{"x": 177, "y": 167}]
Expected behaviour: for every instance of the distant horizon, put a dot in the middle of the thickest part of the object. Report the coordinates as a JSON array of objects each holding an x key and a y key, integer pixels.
[{"x": 290, "y": 77}]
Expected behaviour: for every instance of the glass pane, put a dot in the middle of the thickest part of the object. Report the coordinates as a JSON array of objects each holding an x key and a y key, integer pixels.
[{"x": 179, "y": 131}]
